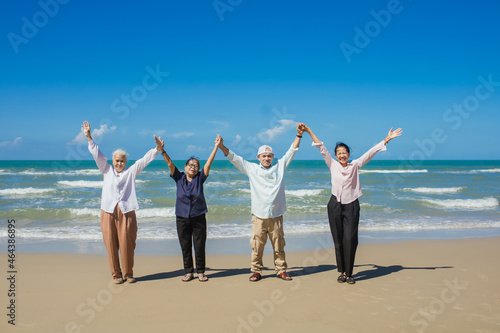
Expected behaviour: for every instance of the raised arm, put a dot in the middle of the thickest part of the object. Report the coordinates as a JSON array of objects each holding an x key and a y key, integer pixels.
[
  {"x": 86, "y": 130},
  {"x": 100, "y": 159},
  {"x": 311, "y": 134},
  {"x": 207, "y": 166},
  {"x": 393, "y": 134},
  {"x": 300, "y": 131},
  {"x": 366, "y": 157},
  {"x": 161, "y": 144},
  {"x": 221, "y": 145}
]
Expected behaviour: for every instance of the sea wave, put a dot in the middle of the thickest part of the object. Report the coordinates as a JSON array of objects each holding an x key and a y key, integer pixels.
[
  {"x": 165, "y": 231},
  {"x": 497, "y": 170},
  {"x": 89, "y": 183},
  {"x": 484, "y": 203},
  {"x": 303, "y": 193},
  {"x": 394, "y": 171},
  {"x": 436, "y": 190},
  {"x": 80, "y": 183},
  {"x": 83, "y": 172},
  {"x": 155, "y": 212},
  {"x": 27, "y": 191},
  {"x": 494, "y": 170}
]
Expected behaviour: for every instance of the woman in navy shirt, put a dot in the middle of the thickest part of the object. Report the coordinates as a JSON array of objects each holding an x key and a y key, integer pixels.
[{"x": 190, "y": 210}]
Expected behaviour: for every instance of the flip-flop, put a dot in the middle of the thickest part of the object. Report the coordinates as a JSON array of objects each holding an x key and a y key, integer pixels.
[
  {"x": 202, "y": 278},
  {"x": 187, "y": 277}
]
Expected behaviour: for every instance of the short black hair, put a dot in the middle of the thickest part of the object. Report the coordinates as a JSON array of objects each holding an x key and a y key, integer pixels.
[
  {"x": 192, "y": 158},
  {"x": 340, "y": 145}
]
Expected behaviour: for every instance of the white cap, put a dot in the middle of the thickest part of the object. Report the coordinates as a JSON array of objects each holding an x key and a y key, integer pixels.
[{"x": 265, "y": 149}]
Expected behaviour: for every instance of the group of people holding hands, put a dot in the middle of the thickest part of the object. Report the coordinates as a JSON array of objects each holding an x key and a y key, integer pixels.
[{"x": 119, "y": 202}]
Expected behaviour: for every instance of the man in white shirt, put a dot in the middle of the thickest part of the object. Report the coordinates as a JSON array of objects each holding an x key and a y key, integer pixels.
[
  {"x": 267, "y": 203},
  {"x": 118, "y": 205}
]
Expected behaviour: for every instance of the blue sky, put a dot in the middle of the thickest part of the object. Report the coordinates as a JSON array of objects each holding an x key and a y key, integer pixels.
[{"x": 249, "y": 70}]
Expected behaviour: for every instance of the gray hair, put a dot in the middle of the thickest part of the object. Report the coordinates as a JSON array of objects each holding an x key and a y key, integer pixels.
[{"x": 120, "y": 152}]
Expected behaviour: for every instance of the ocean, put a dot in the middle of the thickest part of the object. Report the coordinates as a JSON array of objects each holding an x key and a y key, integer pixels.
[{"x": 57, "y": 202}]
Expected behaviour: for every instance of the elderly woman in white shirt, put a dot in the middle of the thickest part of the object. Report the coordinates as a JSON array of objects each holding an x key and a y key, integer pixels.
[
  {"x": 118, "y": 205},
  {"x": 343, "y": 207}
]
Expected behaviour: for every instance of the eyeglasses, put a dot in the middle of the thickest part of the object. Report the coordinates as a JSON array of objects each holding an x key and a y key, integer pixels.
[{"x": 195, "y": 166}]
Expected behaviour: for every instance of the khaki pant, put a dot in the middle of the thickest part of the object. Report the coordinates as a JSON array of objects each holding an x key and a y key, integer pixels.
[
  {"x": 119, "y": 232},
  {"x": 274, "y": 228}
]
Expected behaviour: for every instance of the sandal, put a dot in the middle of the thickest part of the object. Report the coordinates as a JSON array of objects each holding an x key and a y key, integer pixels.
[
  {"x": 187, "y": 277},
  {"x": 284, "y": 276},
  {"x": 255, "y": 277},
  {"x": 202, "y": 277}
]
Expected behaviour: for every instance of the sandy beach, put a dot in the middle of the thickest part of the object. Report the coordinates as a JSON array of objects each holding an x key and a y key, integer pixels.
[{"x": 412, "y": 286}]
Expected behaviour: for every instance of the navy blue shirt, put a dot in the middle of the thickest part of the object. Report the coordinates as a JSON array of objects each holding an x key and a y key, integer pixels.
[{"x": 190, "y": 198}]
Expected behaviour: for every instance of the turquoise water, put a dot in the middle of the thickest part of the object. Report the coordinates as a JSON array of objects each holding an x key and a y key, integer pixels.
[{"x": 60, "y": 200}]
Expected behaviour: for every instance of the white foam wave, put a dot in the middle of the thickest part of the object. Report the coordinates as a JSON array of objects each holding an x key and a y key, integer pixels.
[
  {"x": 84, "y": 172},
  {"x": 164, "y": 230},
  {"x": 140, "y": 213},
  {"x": 394, "y": 171},
  {"x": 303, "y": 193},
  {"x": 485, "y": 203},
  {"x": 25, "y": 191},
  {"x": 80, "y": 183},
  {"x": 497, "y": 170},
  {"x": 436, "y": 190},
  {"x": 95, "y": 212},
  {"x": 155, "y": 212}
]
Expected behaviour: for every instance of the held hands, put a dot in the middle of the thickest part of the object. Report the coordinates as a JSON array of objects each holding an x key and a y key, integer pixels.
[
  {"x": 393, "y": 134},
  {"x": 218, "y": 141},
  {"x": 301, "y": 128},
  {"x": 160, "y": 144}
]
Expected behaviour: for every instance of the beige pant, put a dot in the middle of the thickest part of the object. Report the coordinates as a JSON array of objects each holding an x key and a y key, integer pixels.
[
  {"x": 274, "y": 228},
  {"x": 119, "y": 232}
]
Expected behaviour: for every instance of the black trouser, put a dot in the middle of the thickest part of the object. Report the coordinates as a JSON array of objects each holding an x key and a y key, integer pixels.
[
  {"x": 344, "y": 220},
  {"x": 192, "y": 230}
]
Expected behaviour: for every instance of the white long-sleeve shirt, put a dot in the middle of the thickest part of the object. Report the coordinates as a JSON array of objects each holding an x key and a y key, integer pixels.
[
  {"x": 119, "y": 188},
  {"x": 345, "y": 181},
  {"x": 266, "y": 185}
]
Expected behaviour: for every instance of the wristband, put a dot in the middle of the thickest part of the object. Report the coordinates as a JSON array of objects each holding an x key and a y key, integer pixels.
[{"x": 299, "y": 136}]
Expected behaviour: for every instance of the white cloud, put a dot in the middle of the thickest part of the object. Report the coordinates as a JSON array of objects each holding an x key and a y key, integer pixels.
[
  {"x": 96, "y": 134},
  {"x": 157, "y": 132},
  {"x": 17, "y": 142},
  {"x": 236, "y": 141},
  {"x": 270, "y": 134},
  {"x": 221, "y": 125},
  {"x": 194, "y": 149},
  {"x": 181, "y": 135}
]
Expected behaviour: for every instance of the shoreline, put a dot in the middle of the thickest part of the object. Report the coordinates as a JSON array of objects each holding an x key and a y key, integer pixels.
[
  {"x": 240, "y": 245},
  {"x": 407, "y": 286}
]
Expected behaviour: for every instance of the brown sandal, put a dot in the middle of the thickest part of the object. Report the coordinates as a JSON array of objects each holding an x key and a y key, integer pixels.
[
  {"x": 284, "y": 276},
  {"x": 255, "y": 277}
]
